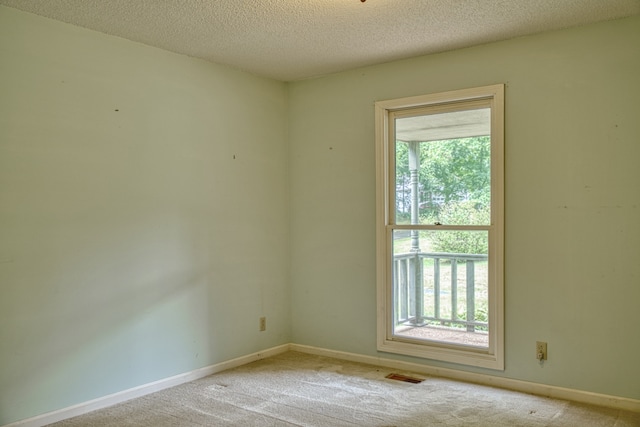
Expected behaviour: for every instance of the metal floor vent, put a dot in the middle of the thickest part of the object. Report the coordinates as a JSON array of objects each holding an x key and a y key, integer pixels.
[{"x": 406, "y": 379}]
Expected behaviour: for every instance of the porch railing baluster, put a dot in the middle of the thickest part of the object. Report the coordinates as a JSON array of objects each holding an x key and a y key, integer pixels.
[
  {"x": 409, "y": 292},
  {"x": 397, "y": 305},
  {"x": 405, "y": 291},
  {"x": 454, "y": 289},
  {"x": 436, "y": 287},
  {"x": 471, "y": 297},
  {"x": 419, "y": 289}
]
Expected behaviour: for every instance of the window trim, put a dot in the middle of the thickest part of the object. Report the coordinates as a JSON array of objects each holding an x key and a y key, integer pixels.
[{"x": 493, "y": 357}]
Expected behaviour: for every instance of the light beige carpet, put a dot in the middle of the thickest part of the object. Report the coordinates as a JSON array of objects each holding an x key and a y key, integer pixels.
[{"x": 296, "y": 389}]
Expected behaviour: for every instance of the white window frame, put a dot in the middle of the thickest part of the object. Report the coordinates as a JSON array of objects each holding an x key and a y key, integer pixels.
[{"x": 491, "y": 357}]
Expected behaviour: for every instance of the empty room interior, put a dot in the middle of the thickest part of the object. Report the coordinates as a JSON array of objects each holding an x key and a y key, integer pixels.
[{"x": 193, "y": 186}]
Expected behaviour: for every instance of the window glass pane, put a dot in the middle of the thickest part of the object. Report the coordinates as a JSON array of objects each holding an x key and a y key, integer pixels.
[
  {"x": 440, "y": 286},
  {"x": 443, "y": 170},
  {"x": 440, "y": 166}
]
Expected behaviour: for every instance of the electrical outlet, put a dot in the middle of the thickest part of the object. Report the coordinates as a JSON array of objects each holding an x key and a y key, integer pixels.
[
  {"x": 263, "y": 324},
  {"x": 541, "y": 350}
]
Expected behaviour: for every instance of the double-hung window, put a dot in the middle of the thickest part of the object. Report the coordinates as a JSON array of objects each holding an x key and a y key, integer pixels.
[{"x": 440, "y": 223}]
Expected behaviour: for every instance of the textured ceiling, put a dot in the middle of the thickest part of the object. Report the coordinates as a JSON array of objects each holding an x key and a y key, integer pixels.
[{"x": 296, "y": 39}]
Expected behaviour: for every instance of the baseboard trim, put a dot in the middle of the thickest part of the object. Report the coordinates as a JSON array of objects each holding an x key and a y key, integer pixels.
[
  {"x": 609, "y": 401},
  {"x": 554, "y": 392},
  {"x": 142, "y": 390}
]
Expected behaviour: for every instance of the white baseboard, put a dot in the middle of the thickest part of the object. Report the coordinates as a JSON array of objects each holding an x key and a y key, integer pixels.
[
  {"x": 507, "y": 383},
  {"x": 132, "y": 393},
  {"x": 490, "y": 380}
]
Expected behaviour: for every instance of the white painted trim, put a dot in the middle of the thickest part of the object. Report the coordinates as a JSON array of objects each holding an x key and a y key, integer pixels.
[
  {"x": 554, "y": 392},
  {"x": 385, "y": 114},
  {"x": 143, "y": 390},
  {"x": 507, "y": 383}
]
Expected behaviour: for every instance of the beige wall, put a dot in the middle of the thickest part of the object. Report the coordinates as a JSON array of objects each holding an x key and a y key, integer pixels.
[
  {"x": 572, "y": 275},
  {"x": 133, "y": 246}
]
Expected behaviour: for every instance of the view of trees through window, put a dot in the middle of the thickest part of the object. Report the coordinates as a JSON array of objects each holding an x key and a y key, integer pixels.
[{"x": 454, "y": 188}]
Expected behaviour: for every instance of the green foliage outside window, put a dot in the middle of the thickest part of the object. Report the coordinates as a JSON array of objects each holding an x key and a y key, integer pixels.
[
  {"x": 454, "y": 189},
  {"x": 450, "y": 170},
  {"x": 457, "y": 241}
]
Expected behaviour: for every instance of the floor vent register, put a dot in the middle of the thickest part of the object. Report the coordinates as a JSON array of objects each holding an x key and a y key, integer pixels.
[{"x": 406, "y": 379}]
